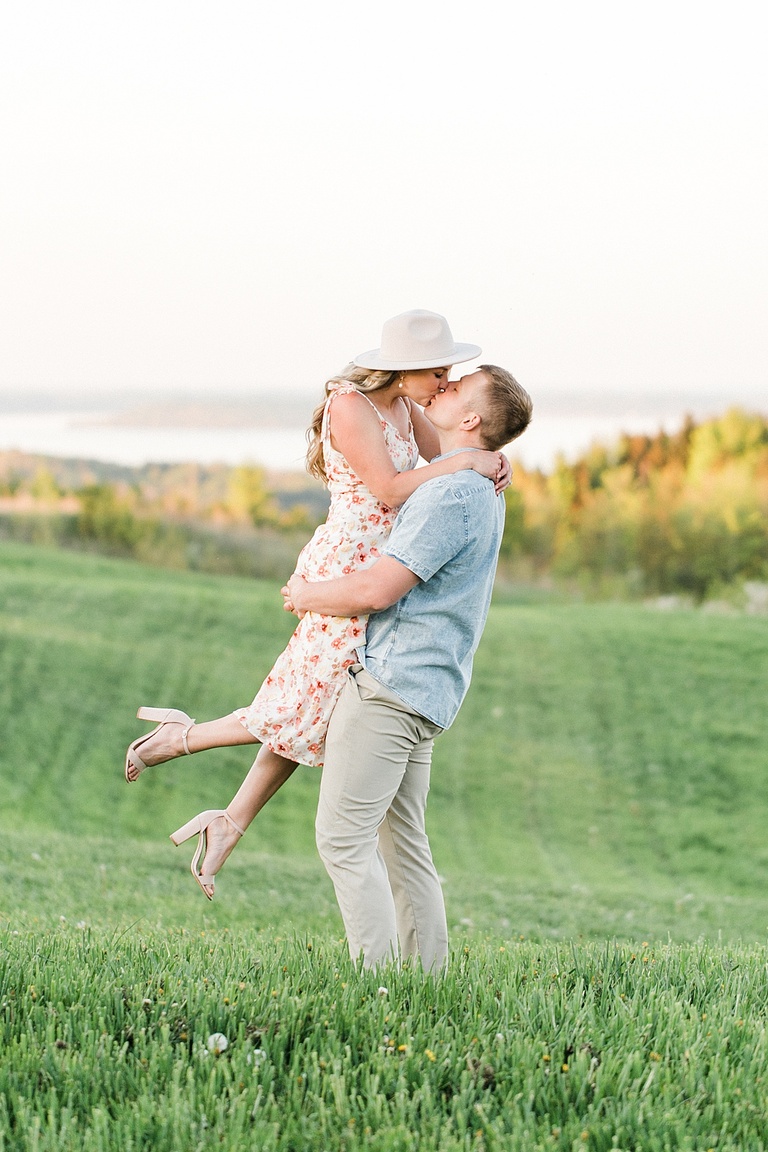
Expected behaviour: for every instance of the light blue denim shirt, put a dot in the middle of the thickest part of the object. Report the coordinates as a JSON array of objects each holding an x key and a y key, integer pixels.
[{"x": 448, "y": 533}]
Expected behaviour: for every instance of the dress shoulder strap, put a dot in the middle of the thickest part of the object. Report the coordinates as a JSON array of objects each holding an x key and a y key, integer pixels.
[{"x": 343, "y": 390}]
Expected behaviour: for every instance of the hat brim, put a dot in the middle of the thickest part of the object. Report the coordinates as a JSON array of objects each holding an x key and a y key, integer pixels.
[{"x": 460, "y": 353}]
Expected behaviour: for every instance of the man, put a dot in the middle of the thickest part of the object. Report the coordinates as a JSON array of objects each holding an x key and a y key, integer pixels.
[{"x": 429, "y": 595}]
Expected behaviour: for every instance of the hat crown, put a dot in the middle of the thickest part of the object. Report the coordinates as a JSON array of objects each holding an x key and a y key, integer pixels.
[
  {"x": 416, "y": 340},
  {"x": 416, "y": 335}
]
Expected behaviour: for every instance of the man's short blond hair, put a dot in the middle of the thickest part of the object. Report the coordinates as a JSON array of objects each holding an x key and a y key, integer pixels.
[{"x": 505, "y": 409}]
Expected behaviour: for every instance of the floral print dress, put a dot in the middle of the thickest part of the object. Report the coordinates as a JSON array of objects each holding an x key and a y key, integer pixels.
[{"x": 291, "y": 710}]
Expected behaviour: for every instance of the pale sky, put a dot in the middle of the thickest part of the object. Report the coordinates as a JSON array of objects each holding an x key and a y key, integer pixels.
[{"x": 234, "y": 196}]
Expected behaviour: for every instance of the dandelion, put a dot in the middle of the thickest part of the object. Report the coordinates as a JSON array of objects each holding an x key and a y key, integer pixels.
[
  {"x": 430, "y": 1054},
  {"x": 383, "y": 991},
  {"x": 217, "y": 1043}
]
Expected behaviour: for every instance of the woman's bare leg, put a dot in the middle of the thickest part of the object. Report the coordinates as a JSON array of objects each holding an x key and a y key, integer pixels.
[
  {"x": 267, "y": 774},
  {"x": 167, "y": 744}
]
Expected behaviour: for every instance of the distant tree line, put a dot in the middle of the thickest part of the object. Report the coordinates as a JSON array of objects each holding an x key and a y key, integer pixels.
[
  {"x": 683, "y": 512},
  {"x": 217, "y": 519},
  {"x": 219, "y": 493}
]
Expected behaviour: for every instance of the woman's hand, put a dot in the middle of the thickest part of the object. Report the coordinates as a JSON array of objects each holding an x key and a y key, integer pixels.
[
  {"x": 504, "y": 476},
  {"x": 493, "y": 465}
]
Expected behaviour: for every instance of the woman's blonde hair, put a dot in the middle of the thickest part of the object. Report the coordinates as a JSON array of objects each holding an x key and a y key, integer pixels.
[{"x": 364, "y": 380}]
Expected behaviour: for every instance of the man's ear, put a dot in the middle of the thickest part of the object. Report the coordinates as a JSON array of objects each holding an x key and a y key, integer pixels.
[{"x": 471, "y": 421}]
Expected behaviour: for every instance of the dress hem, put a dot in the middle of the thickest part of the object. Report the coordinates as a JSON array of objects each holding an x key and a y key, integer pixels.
[{"x": 259, "y": 735}]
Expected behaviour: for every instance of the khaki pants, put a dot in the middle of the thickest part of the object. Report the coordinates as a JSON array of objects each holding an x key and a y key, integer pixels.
[{"x": 370, "y": 826}]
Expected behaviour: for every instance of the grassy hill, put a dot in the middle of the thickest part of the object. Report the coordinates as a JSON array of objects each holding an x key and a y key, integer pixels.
[{"x": 606, "y": 774}]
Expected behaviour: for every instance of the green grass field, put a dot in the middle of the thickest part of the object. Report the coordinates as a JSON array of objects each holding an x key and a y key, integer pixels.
[{"x": 598, "y": 814}]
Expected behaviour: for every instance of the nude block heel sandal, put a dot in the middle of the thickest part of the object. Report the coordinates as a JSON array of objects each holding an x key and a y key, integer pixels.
[
  {"x": 161, "y": 716},
  {"x": 199, "y": 824}
]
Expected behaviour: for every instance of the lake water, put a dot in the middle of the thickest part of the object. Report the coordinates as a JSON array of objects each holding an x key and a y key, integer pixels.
[
  {"x": 90, "y": 435},
  {"x": 81, "y": 435}
]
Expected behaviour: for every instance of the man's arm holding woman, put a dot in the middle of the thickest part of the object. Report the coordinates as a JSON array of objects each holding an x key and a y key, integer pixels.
[{"x": 358, "y": 594}]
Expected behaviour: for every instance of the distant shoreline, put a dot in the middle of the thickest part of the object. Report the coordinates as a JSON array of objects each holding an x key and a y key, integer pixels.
[
  {"x": 145, "y": 407},
  {"x": 239, "y": 430}
]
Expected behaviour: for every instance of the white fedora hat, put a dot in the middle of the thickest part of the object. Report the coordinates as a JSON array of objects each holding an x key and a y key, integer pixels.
[{"x": 416, "y": 339}]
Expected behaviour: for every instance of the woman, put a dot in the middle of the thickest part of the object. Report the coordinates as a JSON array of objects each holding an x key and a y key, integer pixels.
[{"x": 365, "y": 439}]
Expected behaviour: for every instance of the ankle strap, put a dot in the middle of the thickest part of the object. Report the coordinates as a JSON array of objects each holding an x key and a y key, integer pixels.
[
  {"x": 184, "y": 733},
  {"x": 236, "y": 827}
]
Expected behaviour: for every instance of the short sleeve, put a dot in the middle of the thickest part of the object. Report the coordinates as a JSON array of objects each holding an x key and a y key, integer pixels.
[{"x": 430, "y": 529}]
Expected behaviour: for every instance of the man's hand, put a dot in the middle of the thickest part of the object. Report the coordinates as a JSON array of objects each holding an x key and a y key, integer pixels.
[{"x": 289, "y": 593}]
